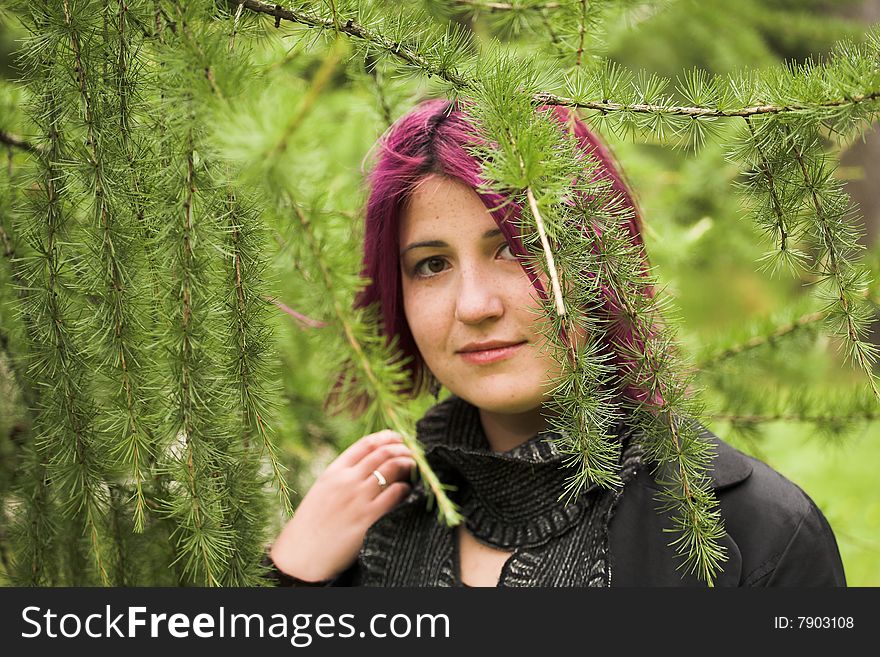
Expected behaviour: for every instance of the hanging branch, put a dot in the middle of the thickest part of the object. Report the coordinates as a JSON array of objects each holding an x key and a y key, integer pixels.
[
  {"x": 218, "y": 382},
  {"x": 780, "y": 225},
  {"x": 667, "y": 419},
  {"x": 835, "y": 268},
  {"x": 250, "y": 331},
  {"x": 34, "y": 531},
  {"x": 585, "y": 414},
  {"x": 250, "y": 356},
  {"x": 249, "y": 334},
  {"x": 385, "y": 408},
  {"x": 66, "y": 432},
  {"x": 548, "y": 253},
  {"x": 117, "y": 326},
  {"x": 21, "y": 379},
  {"x": 588, "y": 224},
  {"x": 205, "y": 539}
]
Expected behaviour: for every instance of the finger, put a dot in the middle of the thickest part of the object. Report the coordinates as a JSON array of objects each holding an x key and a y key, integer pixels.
[
  {"x": 398, "y": 468},
  {"x": 360, "y": 448},
  {"x": 388, "y": 499},
  {"x": 393, "y": 470},
  {"x": 380, "y": 455}
]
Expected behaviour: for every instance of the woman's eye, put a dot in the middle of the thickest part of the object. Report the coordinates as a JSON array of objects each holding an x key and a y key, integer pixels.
[
  {"x": 506, "y": 253},
  {"x": 430, "y": 267}
]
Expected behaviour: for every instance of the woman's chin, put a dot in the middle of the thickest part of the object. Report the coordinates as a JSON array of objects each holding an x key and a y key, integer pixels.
[{"x": 502, "y": 402}]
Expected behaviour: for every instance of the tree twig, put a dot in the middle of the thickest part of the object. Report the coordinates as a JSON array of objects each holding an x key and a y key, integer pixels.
[
  {"x": 357, "y": 31},
  {"x": 834, "y": 270},
  {"x": 582, "y": 31},
  {"x": 410, "y": 56},
  {"x": 504, "y": 6},
  {"x": 543, "y": 98},
  {"x": 771, "y": 183},
  {"x": 548, "y": 253},
  {"x": 444, "y": 504},
  {"x": 18, "y": 142},
  {"x": 867, "y": 416},
  {"x": 761, "y": 340}
]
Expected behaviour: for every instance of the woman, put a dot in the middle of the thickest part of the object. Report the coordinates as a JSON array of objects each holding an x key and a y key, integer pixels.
[{"x": 452, "y": 289}]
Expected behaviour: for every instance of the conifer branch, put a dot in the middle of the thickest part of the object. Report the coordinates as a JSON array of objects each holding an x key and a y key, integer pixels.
[
  {"x": 200, "y": 548},
  {"x": 122, "y": 568},
  {"x": 66, "y": 431},
  {"x": 114, "y": 335},
  {"x": 863, "y": 354},
  {"x": 34, "y": 530},
  {"x": 590, "y": 227},
  {"x": 548, "y": 253},
  {"x": 484, "y": 5},
  {"x": 357, "y": 31},
  {"x": 767, "y": 172},
  {"x": 14, "y": 141},
  {"x": 544, "y": 98},
  {"x": 388, "y": 412},
  {"x": 761, "y": 340},
  {"x": 235, "y": 20},
  {"x": 866, "y": 416},
  {"x": 372, "y": 69},
  {"x": 673, "y": 442},
  {"x": 219, "y": 507},
  {"x": 411, "y": 56},
  {"x": 23, "y": 382},
  {"x": 582, "y": 30},
  {"x": 249, "y": 354}
]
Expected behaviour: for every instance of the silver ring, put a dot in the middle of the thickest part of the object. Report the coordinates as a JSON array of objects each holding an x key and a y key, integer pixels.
[{"x": 383, "y": 483}]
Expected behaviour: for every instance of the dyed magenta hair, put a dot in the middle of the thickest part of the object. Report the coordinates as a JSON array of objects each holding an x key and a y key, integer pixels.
[{"x": 433, "y": 139}]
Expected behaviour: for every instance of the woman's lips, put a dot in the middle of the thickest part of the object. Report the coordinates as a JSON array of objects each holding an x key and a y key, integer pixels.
[{"x": 490, "y": 355}]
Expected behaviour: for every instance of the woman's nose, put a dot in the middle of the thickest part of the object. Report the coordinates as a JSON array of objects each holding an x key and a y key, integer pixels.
[{"x": 479, "y": 298}]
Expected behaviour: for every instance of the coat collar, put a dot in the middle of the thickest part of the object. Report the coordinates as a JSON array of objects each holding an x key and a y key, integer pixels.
[{"x": 730, "y": 466}]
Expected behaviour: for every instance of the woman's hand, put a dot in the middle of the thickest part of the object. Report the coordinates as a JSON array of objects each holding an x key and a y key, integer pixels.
[{"x": 326, "y": 532}]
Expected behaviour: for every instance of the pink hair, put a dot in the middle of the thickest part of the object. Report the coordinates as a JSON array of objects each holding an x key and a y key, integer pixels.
[{"x": 433, "y": 139}]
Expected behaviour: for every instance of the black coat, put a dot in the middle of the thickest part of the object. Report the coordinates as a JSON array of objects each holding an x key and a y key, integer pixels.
[{"x": 776, "y": 535}]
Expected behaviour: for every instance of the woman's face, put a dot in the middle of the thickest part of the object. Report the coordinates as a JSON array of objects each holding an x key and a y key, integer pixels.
[{"x": 471, "y": 308}]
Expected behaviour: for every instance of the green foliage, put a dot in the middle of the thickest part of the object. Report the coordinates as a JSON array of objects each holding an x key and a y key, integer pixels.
[{"x": 188, "y": 169}]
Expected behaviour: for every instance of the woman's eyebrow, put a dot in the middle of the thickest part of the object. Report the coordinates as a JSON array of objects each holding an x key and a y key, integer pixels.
[
  {"x": 494, "y": 232},
  {"x": 419, "y": 245}
]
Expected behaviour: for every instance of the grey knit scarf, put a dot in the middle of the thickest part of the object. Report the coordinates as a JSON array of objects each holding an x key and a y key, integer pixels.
[{"x": 510, "y": 500}]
